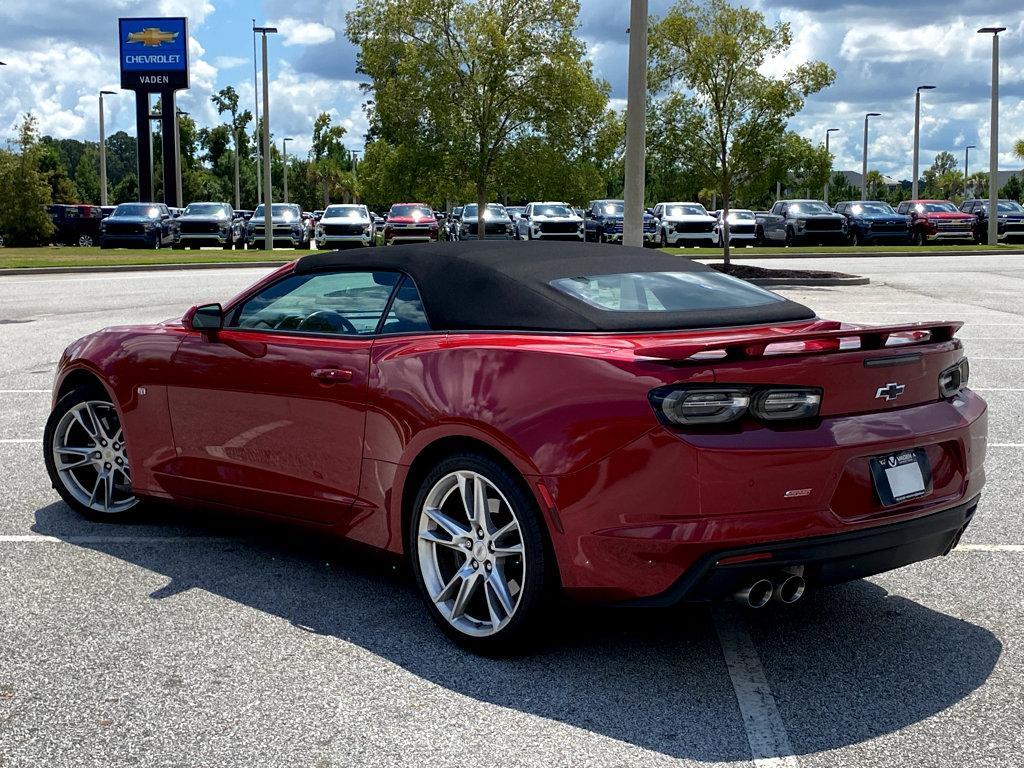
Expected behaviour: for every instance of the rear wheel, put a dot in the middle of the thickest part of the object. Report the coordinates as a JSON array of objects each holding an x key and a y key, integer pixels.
[
  {"x": 86, "y": 455},
  {"x": 920, "y": 239},
  {"x": 478, "y": 554},
  {"x": 85, "y": 241},
  {"x": 664, "y": 239}
]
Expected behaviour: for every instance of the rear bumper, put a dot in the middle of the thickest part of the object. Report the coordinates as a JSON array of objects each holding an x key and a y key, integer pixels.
[
  {"x": 825, "y": 560},
  {"x": 655, "y": 513}
]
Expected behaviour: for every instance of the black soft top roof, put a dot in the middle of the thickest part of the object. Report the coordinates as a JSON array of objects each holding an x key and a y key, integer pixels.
[{"x": 503, "y": 285}]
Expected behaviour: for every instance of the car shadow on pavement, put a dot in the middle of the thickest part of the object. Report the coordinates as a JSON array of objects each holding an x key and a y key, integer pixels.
[{"x": 850, "y": 664}]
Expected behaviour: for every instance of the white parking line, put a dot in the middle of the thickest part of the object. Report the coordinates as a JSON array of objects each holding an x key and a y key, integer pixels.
[
  {"x": 998, "y": 389},
  {"x": 102, "y": 540},
  {"x": 766, "y": 733},
  {"x": 1006, "y": 445},
  {"x": 25, "y": 391},
  {"x": 20, "y": 440},
  {"x": 991, "y": 548}
]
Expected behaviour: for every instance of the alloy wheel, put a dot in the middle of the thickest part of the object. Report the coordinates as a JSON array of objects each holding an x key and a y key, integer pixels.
[
  {"x": 91, "y": 459},
  {"x": 85, "y": 241},
  {"x": 471, "y": 553}
]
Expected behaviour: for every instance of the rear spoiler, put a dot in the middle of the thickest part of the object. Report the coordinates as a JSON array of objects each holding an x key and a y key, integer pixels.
[{"x": 823, "y": 338}]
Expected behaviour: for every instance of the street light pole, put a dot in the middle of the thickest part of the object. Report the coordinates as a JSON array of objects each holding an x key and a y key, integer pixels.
[
  {"x": 864, "y": 162},
  {"x": 967, "y": 158},
  {"x": 284, "y": 156},
  {"x": 177, "y": 156},
  {"x": 103, "y": 152},
  {"x": 993, "y": 142},
  {"x": 268, "y": 206},
  {"x": 256, "y": 99},
  {"x": 636, "y": 126},
  {"x": 917, "y": 137},
  {"x": 828, "y": 133}
]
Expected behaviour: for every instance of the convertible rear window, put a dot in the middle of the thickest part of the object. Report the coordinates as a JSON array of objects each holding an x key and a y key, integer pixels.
[{"x": 665, "y": 291}]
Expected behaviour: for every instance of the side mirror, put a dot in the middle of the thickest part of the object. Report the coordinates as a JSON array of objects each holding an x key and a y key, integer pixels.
[{"x": 206, "y": 317}]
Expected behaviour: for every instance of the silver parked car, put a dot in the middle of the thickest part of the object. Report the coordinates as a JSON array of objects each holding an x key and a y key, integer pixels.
[{"x": 550, "y": 221}]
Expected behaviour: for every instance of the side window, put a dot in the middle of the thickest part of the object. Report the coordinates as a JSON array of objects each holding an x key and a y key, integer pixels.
[
  {"x": 903, "y": 209},
  {"x": 342, "y": 303},
  {"x": 406, "y": 314},
  {"x": 657, "y": 210},
  {"x": 841, "y": 208}
]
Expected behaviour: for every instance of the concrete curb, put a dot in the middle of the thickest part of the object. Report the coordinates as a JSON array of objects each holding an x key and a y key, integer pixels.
[
  {"x": 136, "y": 268},
  {"x": 783, "y": 254},
  {"x": 853, "y": 280}
]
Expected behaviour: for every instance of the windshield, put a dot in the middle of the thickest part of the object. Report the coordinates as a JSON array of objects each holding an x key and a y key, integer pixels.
[
  {"x": 871, "y": 208},
  {"x": 284, "y": 211},
  {"x": 741, "y": 216},
  {"x": 613, "y": 209},
  {"x": 689, "y": 209},
  {"x": 218, "y": 210},
  {"x": 416, "y": 212},
  {"x": 551, "y": 211},
  {"x": 1009, "y": 207},
  {"x": 346, "y": 212},
  {"x": 146, "y": 210},
  {"x": 935, "y": 208},
  {"x": 809, "y": 207},
  {"x": 665, "y": 291},
  {"x": 493, "y": 211}
]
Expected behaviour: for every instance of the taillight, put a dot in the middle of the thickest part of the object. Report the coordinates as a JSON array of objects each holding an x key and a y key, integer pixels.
[
  {"x": 954, "y": 378},
  {"x": 683, "y": 406}
]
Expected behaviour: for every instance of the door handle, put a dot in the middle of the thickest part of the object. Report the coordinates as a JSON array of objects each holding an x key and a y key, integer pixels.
[{"x": 330, "y": 376}]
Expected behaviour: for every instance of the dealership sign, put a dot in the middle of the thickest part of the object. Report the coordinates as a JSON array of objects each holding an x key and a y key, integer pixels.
[{"x": 153, "y": 54}]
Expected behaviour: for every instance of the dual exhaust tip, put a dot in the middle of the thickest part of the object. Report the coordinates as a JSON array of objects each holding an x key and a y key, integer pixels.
[{"x": 786, "y": 588}]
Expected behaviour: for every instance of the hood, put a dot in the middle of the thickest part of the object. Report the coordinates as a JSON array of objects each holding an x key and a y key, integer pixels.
[
  {"x": 201, "y": 218},
  {"x": 689, "y": 218},
  {"x": 344, "y": 220},
  {"x": 276, "y": 220},
  {"x": 427, "y": 220},
  {"x": 798, "y": 215},
  {"x": 567, "y": 218},
  {"x": 869, "y": 217},
  {"x": 132, "y": 219},
  {"x": 946, "y": 215}
]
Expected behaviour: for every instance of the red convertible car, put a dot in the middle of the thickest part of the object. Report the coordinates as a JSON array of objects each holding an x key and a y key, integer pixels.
[{"x": 620, "y": 425}]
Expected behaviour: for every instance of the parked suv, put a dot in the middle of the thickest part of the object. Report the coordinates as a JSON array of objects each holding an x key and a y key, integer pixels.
[
  {"x": 550, "y": 221},
  {"x": 209, "y": 224},
  {"x": 742, "y": 227},
  {"x": 75, "y": 225},
  {"x": 603, "y": 222},
  {"x": 288, "y": 228},
  {"x": 686, "y": 224},
  {"x": 410, "y": 223},
  {"x": 869, "y": 221},
  {"x": 1010, "y": 222},
  {"x": 497, "y": 224},
  {"x": 344, "y": 225},
  {"x": 146, "y": 224},
  {"x": 933, "y": 220}
]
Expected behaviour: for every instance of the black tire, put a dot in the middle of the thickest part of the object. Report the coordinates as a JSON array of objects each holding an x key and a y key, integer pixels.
[
  {"x": 790, "y": 237},
  {"x": 228, "y": 245},
  {"x": 663, "y": 239},
  {"x": 178, "y": 246},
  {"x": 69, "y": 401},
  {"x": 759, "y": 239},
  {"x": 920, "y": 239},
  {"x": 516, "y": 636},
  {"x": 858, "y": 238},
  {"x": 155, "y": 245}
]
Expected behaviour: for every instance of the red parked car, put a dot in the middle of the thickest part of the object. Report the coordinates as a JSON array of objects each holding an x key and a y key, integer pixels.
[
  {"x": 932, "y": 220},
  {"x": 621, "y": 425},
  {"x": 410, "y": 223}
]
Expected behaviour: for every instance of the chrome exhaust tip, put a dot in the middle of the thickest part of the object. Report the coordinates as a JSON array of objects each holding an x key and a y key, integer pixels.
[
  {"x": 790, "y": 589},
  {"x": 755, "y": 595}
]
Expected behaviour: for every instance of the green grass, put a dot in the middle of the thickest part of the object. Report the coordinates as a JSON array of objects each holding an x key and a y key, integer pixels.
[
  {"x": 72, "y": 256},
  {"x": 739, "y": 253}
]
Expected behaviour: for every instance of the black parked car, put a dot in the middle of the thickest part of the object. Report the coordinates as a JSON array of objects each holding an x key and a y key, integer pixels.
[
  {"x": 603, "y": 222},
  {"x": 209, "y": 224},
  {"x": 811, "y": 221},
  {"x": 139, "y": 224},
  {"x": 871, "y": 221},
  {"x": 1010, "y": 222},
  {"x": 75, "y": 225},
  {"x": 497, "y": 224}
]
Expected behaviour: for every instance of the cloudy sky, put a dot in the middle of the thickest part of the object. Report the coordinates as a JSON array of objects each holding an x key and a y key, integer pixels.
[{"x": 59, "y": 54}]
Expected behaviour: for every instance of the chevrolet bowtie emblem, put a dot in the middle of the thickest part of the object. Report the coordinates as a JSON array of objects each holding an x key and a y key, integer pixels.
[
  {"x": 151, "y": 37},
  {"x": 891, "y": 391}
]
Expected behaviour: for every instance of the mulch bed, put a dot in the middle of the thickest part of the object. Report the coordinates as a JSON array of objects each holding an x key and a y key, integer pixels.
[{"x": 747, "y": 272}]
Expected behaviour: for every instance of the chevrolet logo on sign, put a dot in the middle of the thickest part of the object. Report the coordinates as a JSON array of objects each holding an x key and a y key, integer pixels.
[{"x": 151, "y": 37}]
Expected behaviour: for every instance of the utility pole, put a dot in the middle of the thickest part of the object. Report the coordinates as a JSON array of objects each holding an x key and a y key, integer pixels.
[
  {"x": 917, "y": 137},
  {"x": 967, "y": 160},
  {"x": 268, "y": 206},
  {"x": 256, "y": 99},
  {"x": 636, "y": 126},
  {"x": 864, "y": 163},
  {"x": 177, "y": 155},
  {"x": 993, "y": 142},
  {"x": 828, "y": 133},
  {"x": 103, "y": 152}
]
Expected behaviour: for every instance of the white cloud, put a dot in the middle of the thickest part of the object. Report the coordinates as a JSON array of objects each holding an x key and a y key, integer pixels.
[
  {"x": 230, "y": 62},
  {"x": 298, "y": 32}
]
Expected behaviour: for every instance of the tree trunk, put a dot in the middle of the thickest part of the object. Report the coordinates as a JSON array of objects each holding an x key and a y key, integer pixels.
[
  {"x": 481, "y": 210},
  {"x": 725, "y": 226},
  {"x": 238, "y": 188},
  {"x": 327, "y": 193}
]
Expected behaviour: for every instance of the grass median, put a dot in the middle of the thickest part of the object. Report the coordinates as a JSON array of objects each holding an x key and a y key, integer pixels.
[
  {"x": 741, "y": 251},
  {"x": 72, "y": 256}
]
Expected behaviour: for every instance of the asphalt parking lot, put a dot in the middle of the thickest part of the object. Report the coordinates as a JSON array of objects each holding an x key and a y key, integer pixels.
[{"x": 195, "y": 640}]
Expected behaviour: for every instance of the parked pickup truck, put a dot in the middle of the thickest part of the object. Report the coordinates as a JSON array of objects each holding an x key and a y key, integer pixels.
[
  {"x": 934, "y": 220},
  {"x": 811, "y": 221},
  {"x": 209, "y": 224},
  {"x": 1009, "y": 222}
]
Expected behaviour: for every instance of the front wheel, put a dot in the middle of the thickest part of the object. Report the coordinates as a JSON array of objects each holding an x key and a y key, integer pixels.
[
  {"x": 663, "y": 238},
  {"x": 86, "y": 455},
  {"x": 85, "y": 241},
  {"x": 478, "y": 555},
  {"x": 790, "y": 237},
  {"x": 920, "y": 239}
]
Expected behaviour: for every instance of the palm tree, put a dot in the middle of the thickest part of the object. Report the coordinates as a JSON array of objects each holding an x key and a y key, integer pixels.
[{"x": 1018, "y": 148}]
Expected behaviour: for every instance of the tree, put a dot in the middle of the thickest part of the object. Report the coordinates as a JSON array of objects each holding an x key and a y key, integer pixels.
[
  {"x": 941, "y": 179},
  {"x": 87, "y": 179},
  {"x": 1018, "y": 148},
  {"x": 789, "y": 160},
  {"x": 484, "y": 75},
  {"x": 226, "y": 100},
  {"x": 329, "y": 162},
  {"x": 126, "y": 190},
  {"x": 717, "y": 50},
  {"x": 839, "y": 188},
  {"x": 1013, "y": 189},
  {"x": 25, "y": 190}
]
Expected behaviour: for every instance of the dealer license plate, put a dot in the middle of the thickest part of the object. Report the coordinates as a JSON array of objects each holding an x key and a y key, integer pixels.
[{"x": 901, "y": 476}]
